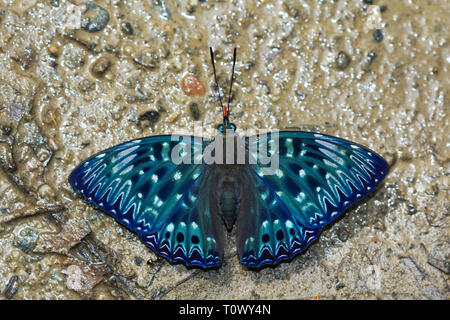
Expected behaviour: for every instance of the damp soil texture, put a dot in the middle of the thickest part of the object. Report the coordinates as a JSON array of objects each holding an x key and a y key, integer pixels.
[{"x": 79, "y": 76}]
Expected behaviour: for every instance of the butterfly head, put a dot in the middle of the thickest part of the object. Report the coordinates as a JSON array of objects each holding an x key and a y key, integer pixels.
[{"x": 226, "y": 125}]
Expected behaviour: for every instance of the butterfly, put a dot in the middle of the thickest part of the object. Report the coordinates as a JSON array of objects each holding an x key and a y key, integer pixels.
[{"x": 176, "y": 192}]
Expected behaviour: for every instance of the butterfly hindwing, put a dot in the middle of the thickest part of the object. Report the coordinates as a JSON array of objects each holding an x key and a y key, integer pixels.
[
  {"x": 317, "y": 179},
  {"x": 141, "y": 187},
  {"x": 267, "y": 232}
]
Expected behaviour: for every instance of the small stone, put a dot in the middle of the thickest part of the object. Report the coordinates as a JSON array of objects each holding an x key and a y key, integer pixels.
[
  {"x": 342, "y": 60},
  {"x": 149, "y": 118},
  {"x": 53, "y": 51},
  {"x": 195, "y": 112},
  {"x": 147, "y": 58},
  {"x": 368, "y": 1},
  {"x": 342, "y": 234},
  {"x": 11, "y": 287},
  {"x": 95, "y": 19},
  {"x": 25, "y": 57},
  {"x": 192, "y": 86},
  {"x": 383, "y": 8},
  {"x": 378, "y": 35},
  {"x": 127, "y": 28},
  {"x": 138, "y": 261},
  {"x": 46, "y": 192},
  {"x": 100, "y": 66},
  {"x": 300, "y": 94},
  {"x": 371, "y": 56},
  {"x": 6, "y": 130},
  {"x": 368, "y": 61},
  {"x": 340, "y": 286},
  {"x": 411, "y": 209}
]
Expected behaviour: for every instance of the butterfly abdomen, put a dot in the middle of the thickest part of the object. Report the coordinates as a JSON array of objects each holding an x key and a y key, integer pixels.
[{"x": 228, "y": 196}]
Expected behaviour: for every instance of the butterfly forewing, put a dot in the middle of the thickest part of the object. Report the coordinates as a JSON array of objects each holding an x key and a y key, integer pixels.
[
  {"x": 140, "y": 185},
  {"x": 318, "y": 177}
]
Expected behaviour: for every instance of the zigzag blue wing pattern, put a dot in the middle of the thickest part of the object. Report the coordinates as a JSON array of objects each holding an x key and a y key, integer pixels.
[
  {"x": 141, "y": 187},
  {"x": 319, "y": 177}
]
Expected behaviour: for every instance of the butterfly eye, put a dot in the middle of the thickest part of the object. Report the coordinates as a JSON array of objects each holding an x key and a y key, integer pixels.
[
  {"x": 233, "y": 126},
  {"x": 220, "y": 128}
]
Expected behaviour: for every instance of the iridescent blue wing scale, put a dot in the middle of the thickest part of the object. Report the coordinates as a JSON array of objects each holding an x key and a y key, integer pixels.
[
  {"x": 319, "y": 177},
  {"x": 141, "y": 187}
]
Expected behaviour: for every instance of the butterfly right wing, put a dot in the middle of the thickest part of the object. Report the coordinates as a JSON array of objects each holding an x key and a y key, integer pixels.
[
  {"x": 167, "y": 204},
  {"x": 317, "y": 179}
]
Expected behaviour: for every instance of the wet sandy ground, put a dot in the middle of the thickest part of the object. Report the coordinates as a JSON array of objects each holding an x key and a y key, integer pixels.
[{"x": 77, "y": 77}]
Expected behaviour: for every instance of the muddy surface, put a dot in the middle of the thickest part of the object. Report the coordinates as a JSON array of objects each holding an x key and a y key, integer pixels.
[{"x": 79, "y": 76}]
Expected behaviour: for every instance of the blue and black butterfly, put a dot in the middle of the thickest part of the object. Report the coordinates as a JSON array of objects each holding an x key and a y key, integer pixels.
[{"x": 177, "y": 207}]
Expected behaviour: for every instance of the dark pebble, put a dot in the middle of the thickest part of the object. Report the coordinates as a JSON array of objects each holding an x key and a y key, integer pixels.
[
  {"x": 11, "y": 287},
  {"x": 411, "y": 209},
  {"x": 195, "y": 112},
  {"x": 340, "y": 286},
  {"x": 249, "y": 65},
  {"x": 378, "y": 35},
  {"x": 368, "y": 1},
  {"x": 342, "y": 234},
  {"x": 6, "y": 130},
  {"x": 151, "y": 117},
  {"x": 300, "y": 94},
  {"x": 26, "y": 57},
  {"x": 371, "y": 56},
  {"x": 96, "y": 18},
  {"x": 127, "y": 28},
  {"x": 383, "y": 8},
  {"x": 100, "y": 67},
  {"x": 54, "y": 3},
  {"x": 139, "y": 261},
  {"x": 342, "y": 60}
]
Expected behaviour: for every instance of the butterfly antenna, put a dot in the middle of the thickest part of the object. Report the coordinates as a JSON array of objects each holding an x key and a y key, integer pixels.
[
  {"x": 231, "y": 82},
  {"x": 217, "y": 84}
]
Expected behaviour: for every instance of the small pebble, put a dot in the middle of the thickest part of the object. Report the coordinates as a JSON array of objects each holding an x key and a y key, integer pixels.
[
  {"x": 342, "y": 234},
  {"x": 6, "y": 130},
  {"x": 147, "y": 58},
  {"x": 100, "y": 66},
  {"x": 368, "y": 1},
  {"x": 195, "y": 112},
  {"x": 378, "y": 35},
  {"x": 192, "y": 86},
  {"x": 11, "y": 287},
  {"x": 411, "y": 209},
  {"x": 300, "y": 94},
  {"x": 127, "y": 28},
  {"x": 53, "y": 51},
  {"x": 340, "y": 286},
  {"x": 151, "y": 117},
  {"x": 95, "y": 19},
  {"x": 138, "y": 261},
  {"x": 342, "y": 60}
]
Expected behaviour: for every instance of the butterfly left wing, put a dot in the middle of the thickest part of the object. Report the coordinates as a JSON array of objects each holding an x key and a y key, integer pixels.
[
  {"x": 167, "y": 204},
  {"x": 317, "y": 179}
]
